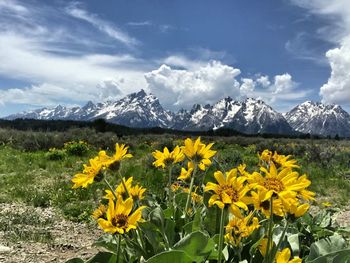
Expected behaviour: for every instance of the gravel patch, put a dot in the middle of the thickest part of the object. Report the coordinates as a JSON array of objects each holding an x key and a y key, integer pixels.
[{"x": 62, "y": 240}]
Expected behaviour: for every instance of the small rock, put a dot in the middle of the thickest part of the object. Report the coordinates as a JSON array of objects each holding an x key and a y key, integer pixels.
[{"x": 4, "y": 249}]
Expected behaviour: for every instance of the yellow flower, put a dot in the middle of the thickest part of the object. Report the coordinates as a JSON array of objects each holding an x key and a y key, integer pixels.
[
  {"x": 265, "y": 156},
  {"x": 262, "y": 203},
  {"x": 284, "y": 257},
  {"x": 136, "y": 192},
  {"x": 165, "y": 158},
  {"x": 239, "y": 228},
  {"x": 327, "y": 204},
  {"x": 195, "y": 197},
  {"x": 113, "y": 162},
  {"x": 263, "y": 246},
  {"x": 186, "y": 174},
  {"x": 241, "y": 169},
  {"x": 297, "y": 209},
  {"x": 230, "y": 190},
  {"x": 100, "y": 212},
  {"x": 88, "y": 175},
  {"x": 198, "y": 152},
  {"x": 283, "y": 161},
  {"x": 176, "y": 187},
  {"x": 283, "y": 184},
  {"x": 119, "y": 218}
]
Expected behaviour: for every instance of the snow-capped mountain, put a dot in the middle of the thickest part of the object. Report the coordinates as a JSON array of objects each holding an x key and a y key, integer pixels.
[
  {"x": 250, "y": 116},
  {"x": 317, "y": 118},
  {"x": 135, "y": 110}
]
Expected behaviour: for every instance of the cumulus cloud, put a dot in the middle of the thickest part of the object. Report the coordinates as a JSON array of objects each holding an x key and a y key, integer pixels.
[
  {"x": 248, "y": 86},
  {"x": 208, "y": 83},
  {"x": 337, "y": 88},
  {"x": 180, "y": 88},
  {"x": 263, "y": 81}
]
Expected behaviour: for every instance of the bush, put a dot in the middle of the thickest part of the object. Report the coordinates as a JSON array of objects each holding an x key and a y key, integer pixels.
[
  {"x": 79, "y": 148},
  {"x": 55, "y": 154}
]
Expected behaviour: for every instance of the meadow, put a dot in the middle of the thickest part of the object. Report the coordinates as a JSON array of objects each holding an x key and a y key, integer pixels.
[{"x": 36, "y": 169}]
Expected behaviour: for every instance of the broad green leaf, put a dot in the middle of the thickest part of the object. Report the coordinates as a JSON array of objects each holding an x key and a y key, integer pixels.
[
  {"x": 103, "y": 257},
  {"x": 342, "y": 256},
  {"x": 172, "y": 256},
  {"x": 108, "y": 242},
  {"x": 195, "y": 245},
  {"x": 293, "y": 241},
  {"x": 180, "y": 200},
  {"x": 169, "y": 231},
  {"x": 326, "y": 246},
  {"x": 194, "y": 225},
  {"x": 75, "y": 260},
  {"x": 156, "y": 216}
]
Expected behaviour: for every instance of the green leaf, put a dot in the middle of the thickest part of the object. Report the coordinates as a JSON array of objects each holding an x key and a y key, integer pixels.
[
  {"x": 103, "y": 257},
  {"x": 196, "y": 245},
  {"x": 342, "y": 256},
  {"x": 194, "y": 225},
  {"x": 293, "y": 241},
  {"x": 326, "y": 246},
  {"x": 173, "y": 256},
  {"x": 75, "y": 260},
  {"x": 108, "y": 242},
  {"x": 152, "y": 235},
  {"x": 156, "y": 216},
  {"x": 170, "y": 231},
  {"x": 180, "y": 200}
]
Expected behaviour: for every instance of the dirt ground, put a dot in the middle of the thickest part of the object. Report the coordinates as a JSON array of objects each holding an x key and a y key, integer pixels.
[{"x": 66, "y": 239}]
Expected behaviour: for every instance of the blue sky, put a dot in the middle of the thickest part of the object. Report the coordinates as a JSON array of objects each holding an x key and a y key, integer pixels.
[{"x": 185, "y": 52}]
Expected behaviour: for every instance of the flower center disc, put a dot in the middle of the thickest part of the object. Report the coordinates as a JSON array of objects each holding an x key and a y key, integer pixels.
[
  {"x": 274, "y": 184},
  {"x": 232, "y": 193},
  {"x": 120, "y": 221}
]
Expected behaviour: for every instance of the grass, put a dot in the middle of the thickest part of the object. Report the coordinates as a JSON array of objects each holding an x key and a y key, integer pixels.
[
  {"x": 25, "y": 225},
  {"x": 32, "y": 178}
]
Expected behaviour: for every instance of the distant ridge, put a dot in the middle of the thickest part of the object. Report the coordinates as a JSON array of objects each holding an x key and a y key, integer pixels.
[{"x": 250, "y": 116}]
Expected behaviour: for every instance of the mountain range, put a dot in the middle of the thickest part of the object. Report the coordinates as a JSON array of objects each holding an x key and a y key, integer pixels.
[{"x": 250, "y": 116}]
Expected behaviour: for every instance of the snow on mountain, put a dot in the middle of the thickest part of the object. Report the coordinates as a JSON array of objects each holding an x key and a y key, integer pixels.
[
  {"x": 250, "y": 116},
  {"x": 317, "y": 118}
]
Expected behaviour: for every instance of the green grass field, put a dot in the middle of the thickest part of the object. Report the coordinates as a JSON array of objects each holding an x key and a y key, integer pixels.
[
  {"x": 34, "y": 179},
  {"x": 36, "y": 193}
]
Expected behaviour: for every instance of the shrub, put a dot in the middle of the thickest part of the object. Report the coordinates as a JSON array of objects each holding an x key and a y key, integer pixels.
[
  {"x": 55, "y": 154},
  {"x": 76, "y": 148}
]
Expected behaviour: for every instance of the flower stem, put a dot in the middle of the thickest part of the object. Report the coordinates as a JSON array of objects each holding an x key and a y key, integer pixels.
[
  {"x": 123, "y": 183},
  {"x": 110, "y": 188},
  {"x": 118, "y": 248},
  {"x": 221, "y": 235},
  {"x": 269, "y": 246},
  {"x": 190, "y": 190},
  {"x": 171, "y": 203}
]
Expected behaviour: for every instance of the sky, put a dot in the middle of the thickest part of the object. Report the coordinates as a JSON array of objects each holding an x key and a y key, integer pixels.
[{"x": 69, "y": 52}]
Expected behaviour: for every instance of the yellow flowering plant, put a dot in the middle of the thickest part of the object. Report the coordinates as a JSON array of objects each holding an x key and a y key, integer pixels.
[{"x": 241, "y": 214}]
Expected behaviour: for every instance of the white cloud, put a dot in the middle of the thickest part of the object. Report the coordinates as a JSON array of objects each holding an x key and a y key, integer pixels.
[
  {"x": 140, "y": 24},
  {"x": 337, "y": 88},
  {"x": 104, "y": 26},
  {"x": 54, "y": 59},
  {"x": 283, "y": 83},
  {"x": 208, "y": 83},
  {"x": 247, "y": 88},
  {"x": 181, "y": 88},
  {"x": 263, "y": 81}
]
